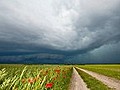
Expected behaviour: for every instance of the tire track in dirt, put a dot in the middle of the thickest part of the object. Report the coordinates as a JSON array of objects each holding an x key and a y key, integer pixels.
[
  {"x": 77, "y": 82},
  {"x": 110, "y": 82}
]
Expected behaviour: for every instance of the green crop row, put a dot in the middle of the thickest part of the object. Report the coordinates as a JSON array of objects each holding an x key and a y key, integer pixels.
[
  {"x": 34, "y": 77},
  {"x": 108, "y": 70}
]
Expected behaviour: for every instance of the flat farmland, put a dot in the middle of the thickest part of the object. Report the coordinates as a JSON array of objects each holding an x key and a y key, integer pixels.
[
  {"x": 108, "y": 70},
  {"x": 59, "y": 77},
  {"x": 35, "y": 77}
]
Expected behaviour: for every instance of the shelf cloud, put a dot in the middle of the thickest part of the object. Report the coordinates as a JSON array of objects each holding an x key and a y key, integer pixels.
[{"x": 64, "y": 26}]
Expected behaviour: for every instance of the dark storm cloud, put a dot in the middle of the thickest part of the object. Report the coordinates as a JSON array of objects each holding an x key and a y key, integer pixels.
[
  {"x": 109, "y": 53},
  {"x": 60, "y": 26}
]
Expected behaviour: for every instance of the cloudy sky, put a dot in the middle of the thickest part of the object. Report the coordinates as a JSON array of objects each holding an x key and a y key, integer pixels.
[{"x": 85, "y": 29}]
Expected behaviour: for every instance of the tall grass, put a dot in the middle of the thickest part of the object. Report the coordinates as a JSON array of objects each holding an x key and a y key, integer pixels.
[{"x": 32, "y": 77}]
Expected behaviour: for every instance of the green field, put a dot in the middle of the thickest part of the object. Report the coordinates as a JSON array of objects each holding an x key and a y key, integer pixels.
[
  {"x": 34, "y": 77},
  {"x": 108, "y": 70},
  {"x": 92, "y": 83},
  {"x": 51, "y": 77}
]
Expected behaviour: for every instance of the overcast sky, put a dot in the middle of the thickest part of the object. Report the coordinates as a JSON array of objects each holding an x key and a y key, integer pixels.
[{"x": 76, "y": 26}]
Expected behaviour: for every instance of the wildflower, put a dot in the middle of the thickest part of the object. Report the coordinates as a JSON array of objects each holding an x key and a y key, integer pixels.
[
  {"x": 31, "y": 80},
  {"x": 57, "y": 71},
  {"x": 49, "y": 85}
]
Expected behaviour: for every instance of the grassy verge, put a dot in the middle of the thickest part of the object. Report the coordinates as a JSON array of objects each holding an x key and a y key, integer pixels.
[
  {"x": 91, "y": 82},
  {"x": 34, "y": 77},
  {"x": 108, "y": 70}
]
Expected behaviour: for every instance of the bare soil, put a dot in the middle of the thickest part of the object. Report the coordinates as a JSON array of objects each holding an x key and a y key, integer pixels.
[{"x": 77, "y": 82}]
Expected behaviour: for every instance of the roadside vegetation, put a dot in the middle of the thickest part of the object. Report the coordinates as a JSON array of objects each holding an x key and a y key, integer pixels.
[
  {"x": 108, "y": 70},
  {"x": 92, "y": 83},
  {"x": 34, "y": 77}
]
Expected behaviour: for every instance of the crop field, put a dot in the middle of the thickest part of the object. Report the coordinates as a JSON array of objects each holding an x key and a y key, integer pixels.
[
  {"x": 108, "y": 70},
  {"x": 34, "y": 77},
  {"x": 53, "y": 77},
  {"x": 91, "y": 82}
]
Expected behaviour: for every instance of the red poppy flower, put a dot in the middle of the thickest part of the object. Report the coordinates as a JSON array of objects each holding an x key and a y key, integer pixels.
[
  {"x": 31, "y": 81},
  {"x": 57, "y": 71},
  {"x": 49, "y": 85}
]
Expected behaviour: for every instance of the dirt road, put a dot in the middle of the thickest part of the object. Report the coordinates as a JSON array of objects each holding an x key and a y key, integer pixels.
[
  {"x": 110, "y": 82},
  {"x": 76, "y": 82}
]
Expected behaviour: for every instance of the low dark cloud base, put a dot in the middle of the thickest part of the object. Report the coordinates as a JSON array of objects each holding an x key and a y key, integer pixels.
[{"x": 66, "y": 27}]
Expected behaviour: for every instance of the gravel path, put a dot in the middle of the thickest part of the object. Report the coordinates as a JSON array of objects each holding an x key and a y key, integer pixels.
[
  {"x": 110, "y": 82},
  {"x": 76, "y": 82}
]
